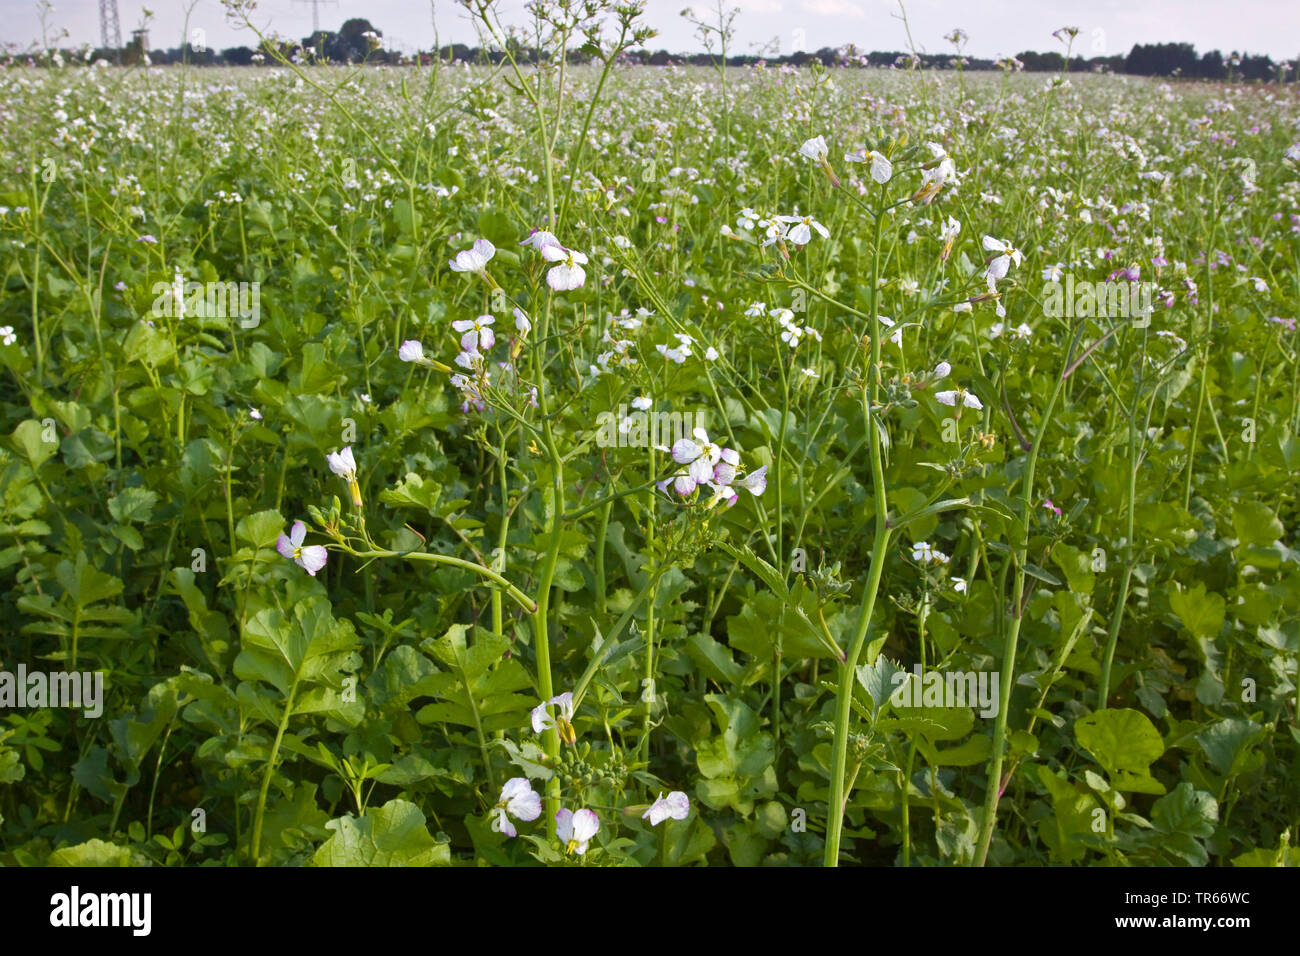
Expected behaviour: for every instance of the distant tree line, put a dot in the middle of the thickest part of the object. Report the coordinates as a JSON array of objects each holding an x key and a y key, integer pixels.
[{"x": 358, "y": 41}]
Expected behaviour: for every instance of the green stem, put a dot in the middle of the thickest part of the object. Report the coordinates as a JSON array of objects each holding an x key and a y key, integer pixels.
[
  {"x": 847, "y": 668},
  {"x": 993, "y": 778},
  {"x": 270, "y": 769}
]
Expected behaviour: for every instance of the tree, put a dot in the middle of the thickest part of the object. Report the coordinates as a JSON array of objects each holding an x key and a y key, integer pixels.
[{"x": 237, "y": 55}]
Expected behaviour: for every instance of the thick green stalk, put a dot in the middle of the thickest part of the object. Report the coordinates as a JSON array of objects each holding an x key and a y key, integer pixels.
[
  {"x": 993, "y": 778},
  {"x": 847, "y": 675}
]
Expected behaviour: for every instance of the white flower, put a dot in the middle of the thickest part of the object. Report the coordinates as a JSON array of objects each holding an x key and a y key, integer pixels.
[
  {"x": 343, "y": 464},
  {"x": 1260, "y": 284},
  {"x": 941, "y": 370},
  {"x": 7, "y": 335},
  {"x": 755, "y": 482},
  {"x": 477, "y": 337},
  {"x": 311, "y": 558},
  {"x": 882, "y": 170},
  {"x": 948, "y": 234},
  {"x": 815, "y": 149},
  {"x": 518, "y": 799},
  {"x": 641, "y": 403},
  {"x": 254, "y": 414},
  {"x": 568, "y": 274},
  {"x": 474, "y": 259},
  {"x": 953, "y": 397},
  {"x": 711, "y": 354},
  {"x": 411, "y": 351},
  {"x": 702, "y": 455},
  {"x": 800, "y": 228},
  {"x": 959, "y": 585},
  {"x": 521, "y": 321},
  {"x": 674, "y": 806},
  {"x": 575, "y": 830},
  {"x": 563, "y": 719},
  {"x": 922, "y": 552},
  {"x": 1052, "y": 273},
  {"x": 998, "y": 268}
]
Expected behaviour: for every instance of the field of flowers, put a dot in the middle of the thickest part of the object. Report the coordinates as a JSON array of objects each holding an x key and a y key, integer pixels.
[{"x": 615, "y": 465}]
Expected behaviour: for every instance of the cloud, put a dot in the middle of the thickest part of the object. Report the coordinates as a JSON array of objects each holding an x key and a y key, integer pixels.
[{"x": 833, "y": 8}]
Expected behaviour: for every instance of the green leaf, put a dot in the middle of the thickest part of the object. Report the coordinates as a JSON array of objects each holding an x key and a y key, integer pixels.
[
  {"x": 1186, "y": 810},
  {"x": 28, "y": 439},
  {"x": 1201, "y": 612},
  {"x": 393, "y": 835},
  {"x": 262, "y": 529},
  {"x": 1256, "y": 523},
  {"x": 1123, "y": 741},
  {"x": 92, "y": 853}
]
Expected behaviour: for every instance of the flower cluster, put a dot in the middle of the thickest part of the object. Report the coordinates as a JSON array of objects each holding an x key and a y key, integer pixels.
[{"x": 713, "y": 466}]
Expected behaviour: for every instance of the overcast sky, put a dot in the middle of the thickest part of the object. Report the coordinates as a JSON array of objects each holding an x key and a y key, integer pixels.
[{"x": 995, "y": 26}]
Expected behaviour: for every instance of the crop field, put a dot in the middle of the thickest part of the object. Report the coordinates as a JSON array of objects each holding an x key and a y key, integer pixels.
[{"x": 610, "y": 465}]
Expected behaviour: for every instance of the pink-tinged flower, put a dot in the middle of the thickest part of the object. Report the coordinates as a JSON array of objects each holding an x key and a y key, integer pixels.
[
  {"x": 254, "y": 414},
  {"x": 755, "y": 482},
  {"x": 724, "y": 472},
  {"x": 568, "y": 273},
  {"x": 474, "y": 259},
  {"x": 148, "y": 240},
  {"x": 539, "y": 239},
  {"x": 518, "y": 800},
  {"x": 941, "y": 370},
  {"x": 722, "y": 493},
  {"x": 701, "y": 455},
  {"x": 959, "y": 395},
  {"x": 477, "y": 336},
  {"x": 311, "y": 558},
  {"x": 575, "y": 830},
  {"x": 1047, "y": 503},
  {"x": 675, "y": 806}
]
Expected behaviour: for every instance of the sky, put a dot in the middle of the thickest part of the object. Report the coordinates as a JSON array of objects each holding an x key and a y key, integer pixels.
[{"x": 995, "y": 27}]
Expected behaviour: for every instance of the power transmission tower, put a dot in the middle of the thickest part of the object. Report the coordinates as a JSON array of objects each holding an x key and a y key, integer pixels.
[
  {"x": 315, "y": 13},
  {"x": 110, "y": 29}
]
